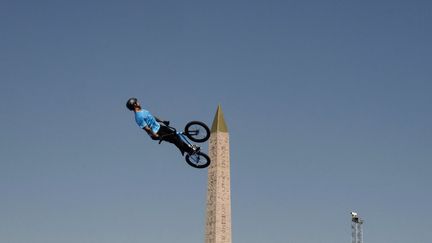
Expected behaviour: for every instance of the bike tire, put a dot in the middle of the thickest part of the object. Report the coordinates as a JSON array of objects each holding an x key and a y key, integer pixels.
[
  {"x": 198, "y": 160},
  {"x": 197, "y": 131}
]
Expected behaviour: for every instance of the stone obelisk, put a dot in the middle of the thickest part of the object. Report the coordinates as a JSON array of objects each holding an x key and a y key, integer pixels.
[{"x": 218, "y": 215}]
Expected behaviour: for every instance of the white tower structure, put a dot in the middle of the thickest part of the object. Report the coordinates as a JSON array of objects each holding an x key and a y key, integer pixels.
[{"x": 356, "y": 227}]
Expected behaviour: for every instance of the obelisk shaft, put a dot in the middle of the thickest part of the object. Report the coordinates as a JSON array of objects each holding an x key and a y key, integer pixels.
[{"x": 218, "y": 216}]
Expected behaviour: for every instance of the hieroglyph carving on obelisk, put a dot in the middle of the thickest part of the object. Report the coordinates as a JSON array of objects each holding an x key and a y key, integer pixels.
[{"x": 218, "y": 215}]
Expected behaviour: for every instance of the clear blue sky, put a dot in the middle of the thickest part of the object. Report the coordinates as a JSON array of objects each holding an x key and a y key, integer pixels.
[{"x": 328, "y": 105}]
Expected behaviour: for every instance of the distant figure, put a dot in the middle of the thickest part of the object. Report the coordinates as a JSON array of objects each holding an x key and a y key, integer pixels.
[{"x": 156, "y": 128}]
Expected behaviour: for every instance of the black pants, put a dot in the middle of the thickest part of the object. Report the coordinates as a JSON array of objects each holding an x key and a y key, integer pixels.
[{"x": 168, "y": 135}]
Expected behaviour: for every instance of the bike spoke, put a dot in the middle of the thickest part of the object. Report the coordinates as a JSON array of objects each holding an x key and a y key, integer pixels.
[
  {"x": 196, "y": 158},
  {"x": 195, "y": 131}
]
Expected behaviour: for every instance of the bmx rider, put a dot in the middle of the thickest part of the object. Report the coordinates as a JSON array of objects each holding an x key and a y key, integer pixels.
[{"x": 156, "y": 128}]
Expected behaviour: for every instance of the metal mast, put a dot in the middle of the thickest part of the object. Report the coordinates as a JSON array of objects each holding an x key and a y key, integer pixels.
[{"x": 356, "y": 227}]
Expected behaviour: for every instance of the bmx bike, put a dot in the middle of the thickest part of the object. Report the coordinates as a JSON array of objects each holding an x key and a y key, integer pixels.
[{"x": 197, "y": 132}]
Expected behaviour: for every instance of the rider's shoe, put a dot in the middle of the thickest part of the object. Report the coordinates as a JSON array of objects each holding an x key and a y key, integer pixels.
[
  {"x": 195, "y": 149},
  {"x": 191, "y": 149}
]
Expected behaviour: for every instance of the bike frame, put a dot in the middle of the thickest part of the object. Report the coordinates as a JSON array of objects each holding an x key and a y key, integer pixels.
[
  {"x": 183, "y": 137},
  {"x": 195, "y": 159}
]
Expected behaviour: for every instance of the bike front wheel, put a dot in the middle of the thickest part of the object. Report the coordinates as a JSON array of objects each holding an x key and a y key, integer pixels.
[
  {"x": 198, "y": 160},
  {"x": 197, "y": 131}
]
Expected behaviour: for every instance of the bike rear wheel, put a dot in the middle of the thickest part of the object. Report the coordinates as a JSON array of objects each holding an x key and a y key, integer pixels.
[
  {"x": 198, "y": 160},
  {"x": 197, "y": 131}
]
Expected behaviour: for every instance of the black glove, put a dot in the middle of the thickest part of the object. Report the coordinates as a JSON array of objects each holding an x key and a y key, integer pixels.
[{"x": 166, "y": 123}]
